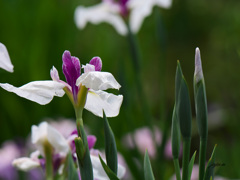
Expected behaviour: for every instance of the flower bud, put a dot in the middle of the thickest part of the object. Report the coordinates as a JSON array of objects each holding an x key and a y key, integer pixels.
[{"x": 200, "y": 97}]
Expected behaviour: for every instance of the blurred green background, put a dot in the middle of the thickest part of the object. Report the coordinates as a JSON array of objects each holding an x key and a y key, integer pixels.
[{"x": 36, "y": 34}]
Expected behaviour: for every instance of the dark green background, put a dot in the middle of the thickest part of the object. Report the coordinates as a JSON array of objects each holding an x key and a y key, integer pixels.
[{"x": 36, "y": 34}]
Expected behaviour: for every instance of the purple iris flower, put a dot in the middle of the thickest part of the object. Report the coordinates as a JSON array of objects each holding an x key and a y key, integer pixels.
[{"x": 72, "y": 70}]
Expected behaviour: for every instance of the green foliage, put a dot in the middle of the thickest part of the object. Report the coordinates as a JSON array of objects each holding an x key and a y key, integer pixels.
[
  {"x": 201, "y": 108},
  {"x": 72, "y": 170},
  {"x": 190, "y": 166},
  {"x": 176, "y": 136},
  {"x": 109, "y": 172},
  {"x": 85, "y": 164},
  {"x": 110, "y": 146},
  {"x": 148, "y": 173},
  {"x": 183, "y": 104},
  {"x": 209, "y": 174}
]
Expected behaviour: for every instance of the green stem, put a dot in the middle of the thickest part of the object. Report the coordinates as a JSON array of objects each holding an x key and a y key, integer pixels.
[
  {"x": 177, "y": 169},
  {"x": 81, "y": 143},
  {"x": 49, "y": 163},
  {"x": 79, "y": 121},
  {"x": 136, "y": 57},
  {"x": 202, "y": 158},
  {"x": 186, "y": 156}
]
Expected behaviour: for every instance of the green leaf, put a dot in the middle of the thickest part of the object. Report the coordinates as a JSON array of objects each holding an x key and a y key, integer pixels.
[
  {"x": 148, "y": 174},
  {"x": 190, "y": 166},
  {"x": 109, "y": 172},
  {"x": 85, "y": 164},
  {"x": 178, "y": 79},
  {"x": 183, "y": 104},
  {"x": 176, "y": 136},
  {"x": 110, "y": 146},
  {"x": 201, "y": 108},
  {"x": 72, "y": 170},
  {"x": 210, "y": 166},
  {"x": 184, "y": 112}
]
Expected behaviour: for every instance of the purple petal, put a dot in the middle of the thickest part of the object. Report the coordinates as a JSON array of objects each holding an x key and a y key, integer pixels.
[
  {"x": 123, "y": 7},
  {"x": 97, "y": 62},
  {"x": 71, "y": 70},
  {"x": 74, "y": 132},
  {"x": 91, "y": 141},
  {"x": 57, "y": 160}
]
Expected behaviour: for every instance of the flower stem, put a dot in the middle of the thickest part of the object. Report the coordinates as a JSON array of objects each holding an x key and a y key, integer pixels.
[
  {"x": 202, "y": 158},
  {"x": 49, "y": 163},
  {"x": 177, "y": 169},
  {"x": 81, "y": 143},
  {"x": 186, "y": 155},
  {"x": 136, "y": 57}
]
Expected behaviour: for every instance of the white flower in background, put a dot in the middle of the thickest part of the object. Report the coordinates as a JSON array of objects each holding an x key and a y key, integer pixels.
[
  {"x": 42, "y": 135},
  {"x": 42, "y": 92},
  {"x": 114, "y": 12},
  {"x": 5, "y": 62},
  {"x": 104, "y": 12},
  {"x": 98, "y": 171},
  {"x": 45, "y": 133},
  {"x": 140, "y": 9}
]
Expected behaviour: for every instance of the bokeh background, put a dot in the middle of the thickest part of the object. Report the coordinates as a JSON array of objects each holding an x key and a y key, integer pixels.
[{"x": 36, "y": 34}]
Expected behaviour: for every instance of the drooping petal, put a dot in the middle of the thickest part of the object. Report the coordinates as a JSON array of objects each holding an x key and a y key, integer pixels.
[
  {"x": 97, "y": 62},
  {"x": 98, "y": 80},
  {"x": 44, "y": 132},
  {"x": 55, "y": 77},
  {"x": 98, "y": 171},
  {"x": 41, "y": 92},
  {"x": 5, "y": 61},
  {"x": 25, "y": 164},
  {"x": 97, "y": 101},
  {"x": 140, "y": 9},
  {"x": 103, "y": 12}
]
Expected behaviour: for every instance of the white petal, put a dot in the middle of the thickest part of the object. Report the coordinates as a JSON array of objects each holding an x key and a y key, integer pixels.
[
  {"x": 25, "y": 164},
  {"x": 140, "y": 9},
  {"x": 98, "y": 80},
  {"x": 57, "y": 140},
  {"x": 97, "y": 101},
  {"x": 45, "y": 132},
  {"x": 164, "y": 3},
  {"x": 103, "y": 12},
  {"x": 121, "y": 171},
  {"x": 41, "y": 92},
  {"x": 39, "y": 136},
  {"x": 88, "y": 68},
  {"x": 5, "y": 61}
]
